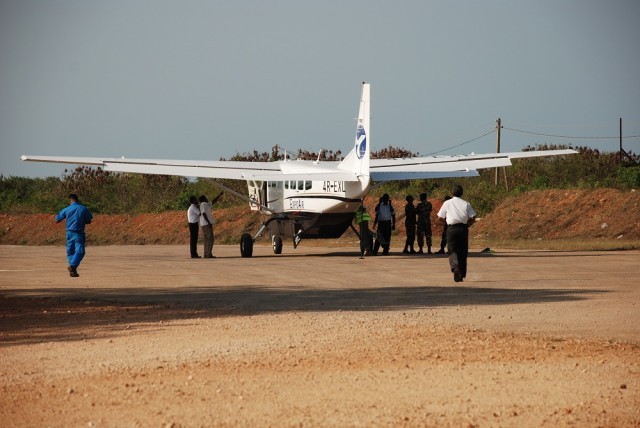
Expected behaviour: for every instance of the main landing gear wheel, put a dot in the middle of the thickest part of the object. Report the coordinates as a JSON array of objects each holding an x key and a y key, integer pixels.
[
  {"x": 246, "y": 245},
  {"x": 277, "y": 245}
]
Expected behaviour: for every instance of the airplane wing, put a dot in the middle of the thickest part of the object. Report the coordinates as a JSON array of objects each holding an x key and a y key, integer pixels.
[
  {"x": 379, "y": 169},
  {"x": 448, "y": 166},
  {"x": 257, "y": 171}
]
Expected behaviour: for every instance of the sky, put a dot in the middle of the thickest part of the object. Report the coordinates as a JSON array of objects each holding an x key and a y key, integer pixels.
[{"x": 208, "y": 79}]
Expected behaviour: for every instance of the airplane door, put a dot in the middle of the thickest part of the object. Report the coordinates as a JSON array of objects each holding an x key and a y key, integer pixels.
[
  {"x": 275, "y": 195},
  {"x": 257, "y": 193}
]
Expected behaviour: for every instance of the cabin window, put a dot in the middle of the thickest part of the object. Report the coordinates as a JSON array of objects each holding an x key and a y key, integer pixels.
[
  {"x": 307, "y": 185},
  {"x": 279, "y": 184},
  {"x": 300, "y": 185},
  {"x": 286, "y": 184}
]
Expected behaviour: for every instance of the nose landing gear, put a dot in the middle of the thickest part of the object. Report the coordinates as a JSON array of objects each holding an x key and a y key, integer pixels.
[{"x": 246, "y": 245}]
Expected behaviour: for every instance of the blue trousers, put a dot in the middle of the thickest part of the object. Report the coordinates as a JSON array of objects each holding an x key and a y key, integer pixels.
[{"x": 75, "y": 248}]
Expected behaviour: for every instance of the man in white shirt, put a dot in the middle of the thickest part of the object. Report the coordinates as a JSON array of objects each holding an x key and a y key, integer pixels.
[
  {"x": 206, "y": 224},
  {"x": 193, "y": 217},
  {"x": 458, "y": 215}
]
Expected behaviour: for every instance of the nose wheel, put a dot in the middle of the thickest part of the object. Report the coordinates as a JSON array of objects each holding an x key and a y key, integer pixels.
[{"x": 246, "y": 245}]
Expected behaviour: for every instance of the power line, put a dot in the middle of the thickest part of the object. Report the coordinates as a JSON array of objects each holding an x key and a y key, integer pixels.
[
  {"x": 533, "y": 133},
  {"x": 570, "y": 137},
  {"x": 461, "y": 144}
]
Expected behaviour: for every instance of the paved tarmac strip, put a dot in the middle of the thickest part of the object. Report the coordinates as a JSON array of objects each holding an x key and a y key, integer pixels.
[{"x": 147, "y": 336}]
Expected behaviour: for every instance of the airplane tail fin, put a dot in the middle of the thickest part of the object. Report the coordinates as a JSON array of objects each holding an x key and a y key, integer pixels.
[{"x": 357, "y": 160}]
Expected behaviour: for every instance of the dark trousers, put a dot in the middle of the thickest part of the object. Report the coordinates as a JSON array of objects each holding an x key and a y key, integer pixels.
[
  {"x": 411, "y": 235},
  {"x": 424, "y": 231},
  {"x": 458, "y": 243},
  {"x": 365, "y": 238},
  {"x": 193, "y": 238},
  {"x": 383, "y": 237},
  {"x": 443, "y": 238}
]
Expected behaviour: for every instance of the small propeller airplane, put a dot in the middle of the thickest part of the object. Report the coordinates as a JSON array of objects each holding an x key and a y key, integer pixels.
[{"x": 311, "y": 199}]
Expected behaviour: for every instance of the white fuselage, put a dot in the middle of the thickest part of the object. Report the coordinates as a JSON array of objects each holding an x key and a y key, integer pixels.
[{"x": 320, "y": 197}]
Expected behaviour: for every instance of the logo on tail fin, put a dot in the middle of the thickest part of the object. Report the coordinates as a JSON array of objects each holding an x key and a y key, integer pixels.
[{"x": 361, "y": 141}]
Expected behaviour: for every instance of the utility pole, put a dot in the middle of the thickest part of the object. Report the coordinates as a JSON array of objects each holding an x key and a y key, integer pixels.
[
  {"x": 623, "y": 153},
  {"x": 620, "y": 141},
  {"x": 498, "y": 127}
]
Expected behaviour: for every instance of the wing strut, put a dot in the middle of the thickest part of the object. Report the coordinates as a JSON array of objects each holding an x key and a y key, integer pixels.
[{"x": 240, "y": 195}]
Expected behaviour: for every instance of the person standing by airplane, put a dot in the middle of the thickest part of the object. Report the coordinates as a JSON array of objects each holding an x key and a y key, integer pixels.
[
  {"x": 458, "y": 215},
  {"x": 423, "y": 210},
  {"x": 386, "y": 222},
  {"x": 206, "y": 223},
  {"x": 410, "y": 226},
  {"x": 77, "y": 216},
  {"x": 443, "y": 238},
  {"x": 362, "y": 219},
  {"x": 193, "y": 217}
]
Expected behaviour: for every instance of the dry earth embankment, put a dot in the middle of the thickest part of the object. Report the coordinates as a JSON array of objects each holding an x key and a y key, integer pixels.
[{"x": 548, "y": 214}]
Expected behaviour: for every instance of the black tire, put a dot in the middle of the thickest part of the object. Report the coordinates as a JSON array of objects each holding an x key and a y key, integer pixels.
[
  {"x": 277, "y": 245},
  {"x": 246, "y": 245}
]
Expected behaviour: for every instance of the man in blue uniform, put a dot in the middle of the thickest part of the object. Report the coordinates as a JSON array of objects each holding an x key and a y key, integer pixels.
[{"x": 77, "y": 216}]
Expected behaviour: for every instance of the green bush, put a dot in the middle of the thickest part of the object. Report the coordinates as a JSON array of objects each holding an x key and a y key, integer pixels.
[{"x": 629, "y": 177}]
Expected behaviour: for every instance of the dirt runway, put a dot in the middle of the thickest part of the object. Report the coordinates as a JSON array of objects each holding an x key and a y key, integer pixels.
[{"x": 316, "y": 337}]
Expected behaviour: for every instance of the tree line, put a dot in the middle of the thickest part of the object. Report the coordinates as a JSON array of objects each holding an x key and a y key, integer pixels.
[{"x": 124, "y": 193}]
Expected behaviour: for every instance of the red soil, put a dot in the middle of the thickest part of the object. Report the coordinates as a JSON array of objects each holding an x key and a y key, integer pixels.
[{"x": 550, "y": 214}]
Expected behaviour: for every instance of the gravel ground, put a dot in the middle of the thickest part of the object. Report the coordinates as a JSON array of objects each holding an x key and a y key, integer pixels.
[{"x": 149, "y": 337}]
